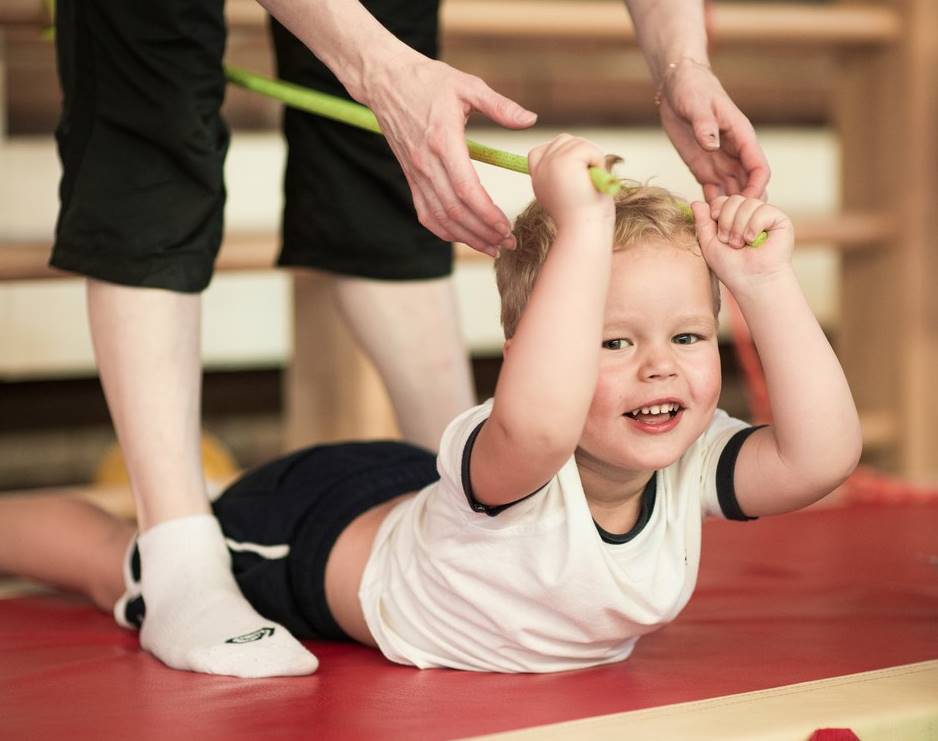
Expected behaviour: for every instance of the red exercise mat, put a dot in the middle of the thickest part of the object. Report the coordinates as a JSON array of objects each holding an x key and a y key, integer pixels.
[{"x": 781, "y": 600}]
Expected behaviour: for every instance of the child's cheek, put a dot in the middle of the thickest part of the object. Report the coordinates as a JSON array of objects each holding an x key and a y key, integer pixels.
[
  {"x": 607, "y": 397},
  {"x": 706, "y": 380}
]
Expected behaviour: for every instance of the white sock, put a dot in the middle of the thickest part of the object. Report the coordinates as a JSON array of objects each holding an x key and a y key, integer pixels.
[
  {"x": 131, "y": 588},
  {"x": 196, "y": 617}
]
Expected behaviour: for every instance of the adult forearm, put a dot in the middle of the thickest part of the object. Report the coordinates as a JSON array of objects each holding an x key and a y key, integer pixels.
[
  {"x": 814, "y": 417},
  {"x": 669, "y": 30},
  {"x": 345, "y": 37}
]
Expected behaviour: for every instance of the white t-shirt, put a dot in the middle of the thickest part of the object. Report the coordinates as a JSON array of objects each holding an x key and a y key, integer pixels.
[{"x": 536, "y": 587}]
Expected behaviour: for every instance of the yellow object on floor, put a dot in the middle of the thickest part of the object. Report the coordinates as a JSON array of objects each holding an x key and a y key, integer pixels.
[{"x": 217, "y": 461}]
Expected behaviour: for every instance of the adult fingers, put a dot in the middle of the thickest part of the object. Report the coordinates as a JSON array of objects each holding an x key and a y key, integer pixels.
[
  {"x": 754, "y": 164},
  {"x": 503, "y": 111},
  {"x": 464, "y": 200},
  {"x": 712, "y": 191},
  {"x": 706, "y": 131},
  {"x": 431, "y": 194}
]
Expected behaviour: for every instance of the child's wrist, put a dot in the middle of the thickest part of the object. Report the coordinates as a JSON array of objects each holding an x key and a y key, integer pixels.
[
  {"x": 586, "y": 237},
  {"x": 763, "y": 286}
]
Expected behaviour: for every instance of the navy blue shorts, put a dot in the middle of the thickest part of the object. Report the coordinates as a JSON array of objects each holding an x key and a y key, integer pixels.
[
  {"x": 281, "y": 521},
  {"x": 142, "y": 144}
]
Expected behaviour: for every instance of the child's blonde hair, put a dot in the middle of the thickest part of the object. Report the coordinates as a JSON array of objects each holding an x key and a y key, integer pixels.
[{"x": 642, "y": 212}]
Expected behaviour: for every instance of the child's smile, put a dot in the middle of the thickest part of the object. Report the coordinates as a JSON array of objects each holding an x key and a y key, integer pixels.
[
  {"x": 659, "y": 372},
  {"x": 656, "y": 416}
]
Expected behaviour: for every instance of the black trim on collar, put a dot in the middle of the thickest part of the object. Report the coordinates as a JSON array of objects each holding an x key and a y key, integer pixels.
[
  {"x": 475, "y": 504},
  {"x": 649, "y": 496},
  {"x": 726, "y": 467}
]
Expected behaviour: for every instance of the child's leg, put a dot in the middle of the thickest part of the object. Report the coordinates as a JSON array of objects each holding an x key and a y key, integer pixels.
[{"x": 64, "y": 542}]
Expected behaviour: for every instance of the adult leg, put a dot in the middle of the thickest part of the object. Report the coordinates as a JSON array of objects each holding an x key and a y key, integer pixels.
[
  {"x": 147, "y": 349},
  {"x": 411, "y": 331},
  {"x": 142, "y": 145},
  {"x": 348, "y": 211}
]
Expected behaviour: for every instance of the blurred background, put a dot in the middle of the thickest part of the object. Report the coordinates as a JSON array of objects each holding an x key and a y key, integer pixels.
[{"x": 844, "y": 96}]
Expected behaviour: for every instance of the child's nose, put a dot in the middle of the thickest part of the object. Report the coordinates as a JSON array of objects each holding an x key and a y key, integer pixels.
[{"x": 658, "y": 363}]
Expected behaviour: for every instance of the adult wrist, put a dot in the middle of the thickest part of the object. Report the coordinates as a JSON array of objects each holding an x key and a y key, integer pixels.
[
  {"x": 379, "y": 68},
  {"x": 671, "y": 69}
]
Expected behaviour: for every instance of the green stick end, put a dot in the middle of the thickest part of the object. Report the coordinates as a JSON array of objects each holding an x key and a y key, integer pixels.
[
  {"x": 604, "y": 181},
  {"x": 760, "y": 238}
]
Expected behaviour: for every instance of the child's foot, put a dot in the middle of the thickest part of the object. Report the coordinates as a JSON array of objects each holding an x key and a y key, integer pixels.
[{"x": 196, "y": 617}]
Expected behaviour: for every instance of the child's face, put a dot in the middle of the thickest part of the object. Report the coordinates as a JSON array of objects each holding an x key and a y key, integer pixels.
[{"x": 659, "y": 349}]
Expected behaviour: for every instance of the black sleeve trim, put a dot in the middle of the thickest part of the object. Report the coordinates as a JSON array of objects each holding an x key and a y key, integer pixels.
[
  {"x": 726, "y": 467},
  {"x": 475, "y": 504}
]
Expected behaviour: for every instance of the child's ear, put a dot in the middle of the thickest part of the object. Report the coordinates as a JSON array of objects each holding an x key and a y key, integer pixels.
[{"x": 506, "y": 346}]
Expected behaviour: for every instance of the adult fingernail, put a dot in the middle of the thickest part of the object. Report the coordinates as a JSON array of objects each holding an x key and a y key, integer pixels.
[{"x": 508, "y": 243}]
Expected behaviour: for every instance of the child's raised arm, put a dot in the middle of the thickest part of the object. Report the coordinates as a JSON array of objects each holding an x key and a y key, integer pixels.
[
  {"x": 551, "y": 363},
  {"x": 815, "y": 441}
]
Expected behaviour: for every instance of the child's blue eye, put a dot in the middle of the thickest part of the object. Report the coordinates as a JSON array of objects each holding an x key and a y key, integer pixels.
[
  {"x": 687, "y": 338},
  {"x": 616, "y": 344}
]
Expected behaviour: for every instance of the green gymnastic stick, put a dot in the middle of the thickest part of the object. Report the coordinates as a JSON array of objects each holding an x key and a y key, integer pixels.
[{"x": 354, "y": 114}]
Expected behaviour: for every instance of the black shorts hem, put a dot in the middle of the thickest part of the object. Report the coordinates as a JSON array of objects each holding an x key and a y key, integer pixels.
[
  {"x": 397, "y": 270},
  {"x": 179, "y": 274}
]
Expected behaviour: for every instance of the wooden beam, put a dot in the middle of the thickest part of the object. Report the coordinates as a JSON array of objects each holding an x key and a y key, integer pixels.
[
  {"x": 28, "y": 260},
  {"x": 793, "y": 24},
  {"x": 24, "y": 13},
  {"x": 849, "y": 231},
  {"x": 916, "y": 191}
]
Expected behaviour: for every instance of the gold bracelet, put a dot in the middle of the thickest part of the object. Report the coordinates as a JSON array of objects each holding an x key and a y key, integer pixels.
[{"x": 669, "y": 70}]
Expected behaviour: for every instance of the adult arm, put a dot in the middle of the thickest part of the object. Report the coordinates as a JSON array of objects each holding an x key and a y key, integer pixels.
[
  {"x": 422, "y": 106},
  {"x": 709, "y": 132}
]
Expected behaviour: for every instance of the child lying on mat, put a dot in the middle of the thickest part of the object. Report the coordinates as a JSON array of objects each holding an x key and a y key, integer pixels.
[{"x": 562, "y": 519}]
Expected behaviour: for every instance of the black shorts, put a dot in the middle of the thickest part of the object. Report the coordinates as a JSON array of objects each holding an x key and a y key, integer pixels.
[
  {"x": 281, "y": 521},
  {"x": 143, "y": 144}
]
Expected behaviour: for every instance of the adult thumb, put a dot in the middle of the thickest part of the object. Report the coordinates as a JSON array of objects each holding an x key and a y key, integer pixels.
[
  {"x": 503, "y": 111},
  {"x": 707, "y": 132}
]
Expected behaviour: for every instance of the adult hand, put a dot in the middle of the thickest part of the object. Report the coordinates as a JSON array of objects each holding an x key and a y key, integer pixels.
[
  {"x": 422, "y": 106},
  {"x": 711, "y": 134}
]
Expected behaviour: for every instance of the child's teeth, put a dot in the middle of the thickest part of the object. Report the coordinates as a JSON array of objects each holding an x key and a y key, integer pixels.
[{"x": 656, "y": 409}]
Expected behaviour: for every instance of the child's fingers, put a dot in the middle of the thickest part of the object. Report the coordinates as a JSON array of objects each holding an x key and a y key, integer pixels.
[
  {"x": 740, "y": 230},
  {"x": 766, "y": 218},
  {"x": 535, "y": 156},
  {"x": 727, "y": 217},
  {"x": 716, "y": 205},
  {"x": 704, "y": 225},
  {"x": 583, "y": 150}
]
